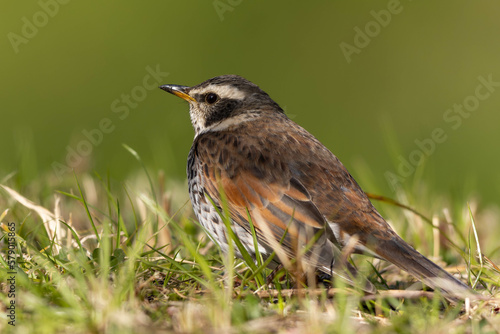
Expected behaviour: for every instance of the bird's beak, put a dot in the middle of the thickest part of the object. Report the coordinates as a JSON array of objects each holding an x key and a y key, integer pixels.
[{"x": 180, "y": 91}]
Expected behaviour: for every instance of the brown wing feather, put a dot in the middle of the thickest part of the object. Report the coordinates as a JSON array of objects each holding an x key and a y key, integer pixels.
[
  {"x": 277, "y": 202},
  {"x": 280, "y": 206}
]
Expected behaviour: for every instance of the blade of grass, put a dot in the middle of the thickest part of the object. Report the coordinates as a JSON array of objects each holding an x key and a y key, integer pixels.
[
  {"x": 425, "y": 218},
  {"x": 153, "y": 193},
  {"x": 136, "y": 221},
  {"x": 87, "y": 209},
  {"x": 480, "y": 254}
]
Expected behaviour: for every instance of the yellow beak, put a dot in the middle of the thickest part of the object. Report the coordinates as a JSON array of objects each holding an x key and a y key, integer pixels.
[{"x": 179, "y": 91}]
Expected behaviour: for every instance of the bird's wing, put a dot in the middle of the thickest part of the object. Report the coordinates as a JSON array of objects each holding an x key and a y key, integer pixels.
[
  {"x": 280, "y": 207},
  {"x": 273, "y": 207}
]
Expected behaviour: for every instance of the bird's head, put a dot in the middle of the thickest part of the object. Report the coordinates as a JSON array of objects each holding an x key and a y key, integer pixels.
[{"x": 223, "y": 101}]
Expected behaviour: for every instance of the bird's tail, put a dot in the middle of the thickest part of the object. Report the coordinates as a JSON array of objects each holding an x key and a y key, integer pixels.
[{"x": 400, "y": 253}]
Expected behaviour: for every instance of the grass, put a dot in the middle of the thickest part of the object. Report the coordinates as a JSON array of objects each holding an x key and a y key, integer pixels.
[{"x": 97, "y": 255}]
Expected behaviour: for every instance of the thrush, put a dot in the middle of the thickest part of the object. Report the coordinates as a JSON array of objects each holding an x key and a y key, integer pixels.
[{"x": 249, "y": 157}]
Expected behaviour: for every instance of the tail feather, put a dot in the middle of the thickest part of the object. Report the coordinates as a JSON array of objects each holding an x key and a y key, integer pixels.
[{"x": 397, "y": 251}]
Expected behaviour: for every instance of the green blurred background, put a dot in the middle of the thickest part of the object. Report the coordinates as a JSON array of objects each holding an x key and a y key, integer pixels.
[{"x": 62, "y": 77}]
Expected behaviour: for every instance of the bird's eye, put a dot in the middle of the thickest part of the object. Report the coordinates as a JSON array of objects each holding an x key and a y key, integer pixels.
[{"x": 211, "y": 98}]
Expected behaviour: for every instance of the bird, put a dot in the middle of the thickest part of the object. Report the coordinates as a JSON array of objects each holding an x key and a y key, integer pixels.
[{"x": 253, "y": 165}]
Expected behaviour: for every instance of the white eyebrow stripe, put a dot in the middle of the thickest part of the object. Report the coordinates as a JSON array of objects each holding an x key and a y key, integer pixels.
[{"x": 225, "y": 92}]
